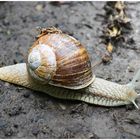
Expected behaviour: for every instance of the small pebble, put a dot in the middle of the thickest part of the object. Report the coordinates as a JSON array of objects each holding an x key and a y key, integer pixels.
[
  {"x": 20, "y": 135},
  {"x": 35, "y": 131},
  {"x": 63, "y": 107},
  {"x": 16, "y": 125},
  {"x": 26, "y": 95},
  {"x": 6, "y": 84},
  {"x": 39, "y": 7},
  {"x": 133, "y": 65},
  {"x": 8, "y": 132},
  {"x": 0, "y": 29},
  {"x": 3, "y": 124},
  {"x": 88, "y": 36},
  {"x": 8, "y": 32},
  {"x": 14, "y": 111}
]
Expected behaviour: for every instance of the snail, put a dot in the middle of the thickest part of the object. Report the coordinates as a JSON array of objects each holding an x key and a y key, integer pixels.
[{"x": 59, "y": 65}]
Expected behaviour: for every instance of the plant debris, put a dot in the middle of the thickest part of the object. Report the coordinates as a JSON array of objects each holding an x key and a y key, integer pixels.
[{"x": 116, "y": 26}]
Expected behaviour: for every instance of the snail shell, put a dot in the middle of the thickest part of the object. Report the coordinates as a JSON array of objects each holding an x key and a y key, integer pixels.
[{"x": 59, "y": 59}]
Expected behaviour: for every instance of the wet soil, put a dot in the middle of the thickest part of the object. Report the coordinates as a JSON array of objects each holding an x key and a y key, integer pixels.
[{"x": 28, "y": 114}]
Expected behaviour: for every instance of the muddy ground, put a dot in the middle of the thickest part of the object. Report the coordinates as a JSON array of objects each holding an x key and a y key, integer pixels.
[{"x": 28, "y": 114}]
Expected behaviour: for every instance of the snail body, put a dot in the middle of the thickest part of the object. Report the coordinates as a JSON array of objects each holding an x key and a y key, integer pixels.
[{"x": 59, "y": 65}]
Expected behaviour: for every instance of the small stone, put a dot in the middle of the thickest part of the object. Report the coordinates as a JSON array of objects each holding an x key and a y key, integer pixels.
[
  {"x": 133, "y": 118},
  {"x": 39, "y": 7},
  {"x": 16, "y": 125},
  {"x": 93, "y": 136},
  {"x": 8, "y": 32},
  {"x": 0, "y": 29},
  {"x": 20, "y": 135},
  {"x": 6, "y": 84},
  {"x": 88, "y": 36},
  {"x": 8, "y": 132},
  {"x": 3, "y": 124},
  {"x": 130, "y": 69},
  {"x": 133, "y": 65},
  {"x": 63, "y": 107},
  {"x": 26, "y": 95},
  {"x": 58, "y": 3},
  {"x": 45, "y": 129},
  {"x": 16, "y": 110},
  {"x": 35, "y": 131}
]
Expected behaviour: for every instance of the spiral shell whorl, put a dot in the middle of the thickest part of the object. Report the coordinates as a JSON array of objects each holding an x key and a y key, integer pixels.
[{"x": 42, "y": 62}]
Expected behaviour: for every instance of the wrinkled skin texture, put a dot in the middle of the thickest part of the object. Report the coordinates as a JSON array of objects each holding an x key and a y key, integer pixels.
[{"x": 29, "y": 114}]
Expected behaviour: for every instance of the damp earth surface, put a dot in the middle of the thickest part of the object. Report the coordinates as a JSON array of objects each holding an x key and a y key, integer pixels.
[{"x": 28, "y": 114}]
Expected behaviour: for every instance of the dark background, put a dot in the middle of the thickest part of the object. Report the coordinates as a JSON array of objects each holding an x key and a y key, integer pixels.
[{"x": 29, "y": 114}]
